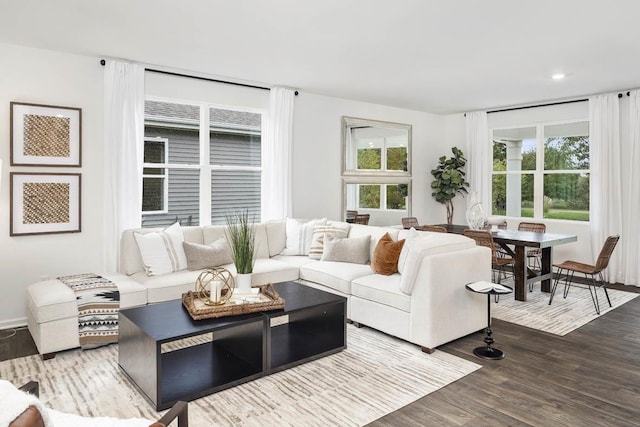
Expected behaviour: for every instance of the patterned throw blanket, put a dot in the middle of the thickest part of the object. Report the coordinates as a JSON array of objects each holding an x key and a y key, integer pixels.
[{"x": 98, "y": 304}]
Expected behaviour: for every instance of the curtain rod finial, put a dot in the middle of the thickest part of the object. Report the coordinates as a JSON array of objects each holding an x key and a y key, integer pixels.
[
  {"x": 103, "y": 62},
  {"x": 295, "y": 93}
]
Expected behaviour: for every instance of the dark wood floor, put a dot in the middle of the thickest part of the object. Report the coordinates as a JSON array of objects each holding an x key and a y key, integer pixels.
[{"x": 589, "y": 377}]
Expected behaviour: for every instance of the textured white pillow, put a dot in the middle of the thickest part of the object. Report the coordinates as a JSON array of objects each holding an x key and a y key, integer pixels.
[
  {"x": 409, "y": 241},
  {"x": 207, "y": 256},
  {"x": 299, "y": 235},
  {"x": 338, "y": 230},
  {"x": 354, "y": 249},
  {"x": 162, "y": 252}
]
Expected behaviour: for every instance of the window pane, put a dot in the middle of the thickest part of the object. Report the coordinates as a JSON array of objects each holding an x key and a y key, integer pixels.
[
  {"x": 152, "y": 194},
  {"x": 233, "y": 190},
  {"x": 566, "y": 196},
  {"x": 566, "y": 146},
  {"x": 154, "y": 151},
  {"x": 512, "y": 195},
  {"x": 235, "y": 137},
  {"x": 153, "y": 171},
  {"x": 514, "y": 149},
  {"x": 397, "y": 159},
  {"x": 183, "y": 201},
  {"x": 179, "y": 124},
  {"x": 370, "y": 158},
  {"x": 369, "y": 197},
  {"x": 397, "y": 196},
  {"x": 235, "y": 149}
]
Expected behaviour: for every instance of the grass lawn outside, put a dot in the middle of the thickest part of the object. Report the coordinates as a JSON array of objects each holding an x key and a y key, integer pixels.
[{"x": 572, "y": 215}]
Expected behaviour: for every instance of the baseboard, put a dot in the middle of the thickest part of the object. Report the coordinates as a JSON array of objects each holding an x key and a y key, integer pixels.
[{"x": 13, "y": 323}]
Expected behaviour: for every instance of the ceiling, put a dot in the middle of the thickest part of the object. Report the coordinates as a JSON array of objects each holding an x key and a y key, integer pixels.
[{"x": 430, "y": 55}]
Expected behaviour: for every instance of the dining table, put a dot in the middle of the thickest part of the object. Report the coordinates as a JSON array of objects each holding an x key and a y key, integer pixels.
[{"x": 515, "y": 243}]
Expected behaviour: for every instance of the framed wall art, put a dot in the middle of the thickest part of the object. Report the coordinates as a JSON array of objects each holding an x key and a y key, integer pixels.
[
  {"x": 45, "y": 135},
  {"x": 44, "y": 203}
]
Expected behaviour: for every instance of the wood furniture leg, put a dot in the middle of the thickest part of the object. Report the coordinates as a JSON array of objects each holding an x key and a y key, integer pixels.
[
  {"x": 546, "y": 268},
  {"x": 520, "y": 276}
]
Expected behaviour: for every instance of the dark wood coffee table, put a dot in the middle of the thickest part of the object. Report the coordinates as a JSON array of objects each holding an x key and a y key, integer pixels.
[{"x": 236, "y": 349}]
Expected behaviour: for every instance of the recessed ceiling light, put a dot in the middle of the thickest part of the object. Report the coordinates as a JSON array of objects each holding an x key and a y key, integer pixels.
[{"x": 558, "y": 76}]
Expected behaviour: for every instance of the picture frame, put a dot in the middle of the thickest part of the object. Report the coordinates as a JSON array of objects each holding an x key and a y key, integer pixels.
[
  {"x": 44, "y": 203},
  {"x": 45, "y": 135}
]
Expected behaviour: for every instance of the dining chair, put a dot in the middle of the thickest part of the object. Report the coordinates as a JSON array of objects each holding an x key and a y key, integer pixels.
[
  {"x": 351, "y": 214},
  {"x": 498, "y": 263},
  {"x": 589, "y": 271},
  {"x": 409, "y": 222},
  {"x": 361, "y": 219},
  {"x": 434, "y": 228},
  {"x": 534, "y": 255}
]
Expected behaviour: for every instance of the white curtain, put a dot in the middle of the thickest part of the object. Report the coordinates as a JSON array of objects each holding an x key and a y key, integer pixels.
[
  {"x": 276, "y": 156},
  {"x": 629, "y": 249},
  {"x": 478, "y": 153},
  {"x": 123, "y": 139},
  {"x": 606, "y": 198}
]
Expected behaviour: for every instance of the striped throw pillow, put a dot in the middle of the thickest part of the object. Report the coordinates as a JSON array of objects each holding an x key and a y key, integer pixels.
[
  {"x": 162, "y": 252},
  {"x": 338, "y": 230}
]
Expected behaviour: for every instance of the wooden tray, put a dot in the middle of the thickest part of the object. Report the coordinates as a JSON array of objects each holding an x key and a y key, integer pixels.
[{"x": 198, "y": 310}]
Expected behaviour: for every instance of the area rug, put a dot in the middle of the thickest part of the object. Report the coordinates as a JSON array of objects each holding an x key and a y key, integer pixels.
[
  {"x": 563, "y": 315},
  {"x": 377, "y": 374}
]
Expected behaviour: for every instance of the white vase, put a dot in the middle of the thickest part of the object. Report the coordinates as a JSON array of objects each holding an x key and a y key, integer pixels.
[
  {"x": 243, "y": 282},
  {"x": 474, "y": 213}
]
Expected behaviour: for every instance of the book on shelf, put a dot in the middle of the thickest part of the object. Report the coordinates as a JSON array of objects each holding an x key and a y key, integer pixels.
[{"x": 484, "y": 286}]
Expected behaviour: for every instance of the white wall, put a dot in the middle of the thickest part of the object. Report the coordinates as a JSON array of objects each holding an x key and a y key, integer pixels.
[
  {"x": 45, "y": 77},
  {"x": 317, "y": 154}
]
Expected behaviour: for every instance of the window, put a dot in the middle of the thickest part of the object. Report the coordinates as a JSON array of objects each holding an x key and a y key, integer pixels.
[
  {"x": 200, "y": 162},
  {"x": 542, "y": 171},
  {"x": 376, "y": 169}
]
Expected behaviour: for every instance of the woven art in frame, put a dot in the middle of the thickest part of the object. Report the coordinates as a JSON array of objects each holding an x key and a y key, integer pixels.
[
  {"x": 45, "y": 135},
  {"x": 44, "y": 203}
]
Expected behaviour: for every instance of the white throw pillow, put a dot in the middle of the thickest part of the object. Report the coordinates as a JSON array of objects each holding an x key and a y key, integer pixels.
[
  {"x": 299, "y": 235},
  {"x": 409, "y": 241},
  {"x": 162, "y": 252},
  {"x": 354, "y": 249},
  {"x": 338, "y": 230}
]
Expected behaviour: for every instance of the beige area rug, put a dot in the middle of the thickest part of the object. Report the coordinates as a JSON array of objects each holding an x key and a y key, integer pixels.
[
  {"x": 563, "y": 315},
  {"x": 375, "y": 375}
]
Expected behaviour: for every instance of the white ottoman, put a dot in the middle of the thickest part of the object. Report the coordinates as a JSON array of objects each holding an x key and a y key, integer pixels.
[{"x": 52, "y": 314}]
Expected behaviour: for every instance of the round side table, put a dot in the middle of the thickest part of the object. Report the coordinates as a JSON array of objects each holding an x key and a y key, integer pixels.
[{"x": 488, "y": 352}]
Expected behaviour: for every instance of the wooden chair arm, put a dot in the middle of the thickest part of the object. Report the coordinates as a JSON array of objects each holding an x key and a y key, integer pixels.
[
  {"x": 179, "y": 410},
  {"x": 32, "y": 387}
]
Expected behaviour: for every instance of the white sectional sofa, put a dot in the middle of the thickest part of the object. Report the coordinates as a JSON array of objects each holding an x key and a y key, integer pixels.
[{"x": 427, "y": 304}]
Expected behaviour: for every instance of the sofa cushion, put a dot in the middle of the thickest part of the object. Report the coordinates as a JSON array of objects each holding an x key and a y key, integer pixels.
[
  {"x": 295, "y": 260},
  {"x": 162, "y": 252},
  {"x": 299, "y": 233},
  {"x": 358, "y": 230},
  {"x": 50, "y": 300},
  {"x": 385, "y": 255},
  {"x": 337, "y": 229},
  {"x": 335, "y": 275},
  {"x": 130, "y": 261},
  {"x": 381, "y": 289},
  {"x": 211, "y": 233},
  {"x": 270, "y": 270},
  {"x": 167, "y": 286},
  {"x": 276, "y": 236},
  {"x": 409, "y": 237},
  {"x": 354, "y": 250},
  {"x": 429, "y": 244},
  {"x": 205, "y": 256}
]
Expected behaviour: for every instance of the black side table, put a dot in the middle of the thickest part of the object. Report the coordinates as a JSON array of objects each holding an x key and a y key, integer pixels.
[{"x": 488, "y": 352}]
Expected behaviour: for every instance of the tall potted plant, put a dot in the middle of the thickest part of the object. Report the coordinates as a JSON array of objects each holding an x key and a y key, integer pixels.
[
  {"x": 449, "y": 180},
  {"x": 241, "y": 235}
]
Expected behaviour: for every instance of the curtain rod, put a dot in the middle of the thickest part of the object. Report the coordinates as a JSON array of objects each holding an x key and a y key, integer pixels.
[
  {"x": 538, "y": 105},
  {"x": 171, "y": 73}
]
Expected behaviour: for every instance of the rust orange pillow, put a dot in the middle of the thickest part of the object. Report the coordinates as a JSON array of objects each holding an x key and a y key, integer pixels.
[{"x": 385, "y": 255}]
